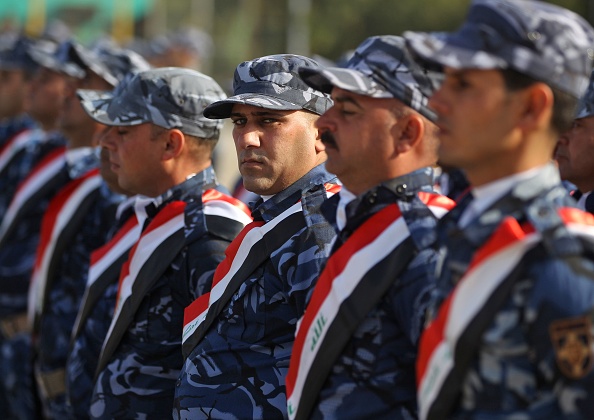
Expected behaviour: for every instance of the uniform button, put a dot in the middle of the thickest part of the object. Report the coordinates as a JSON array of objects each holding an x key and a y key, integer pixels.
[{"x": 401, "y": 188}]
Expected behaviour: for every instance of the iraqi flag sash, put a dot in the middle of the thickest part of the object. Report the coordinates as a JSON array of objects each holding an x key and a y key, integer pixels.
[
  {"x": 104, "y": 269},
  {"x": 47, "y": 175},
  {"x": 149, "y": 258},
  {"x": 15, "y": 145},
  {"x": 61, "y": 221},
  {"x": 249, "y": 249},
  {"x": 350, "y": 285},
  {"x": 450, "y": 341}
]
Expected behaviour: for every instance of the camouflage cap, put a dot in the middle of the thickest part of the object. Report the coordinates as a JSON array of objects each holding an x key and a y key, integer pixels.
[
  {"x": 543, "y": 41},
  {"x": 169, "y": 97},
  {"x": 380, "y": 67},
  {"x": 15, "y": 55},
  {"x": 272, "y": 82},
  {"x": 585, "y": 106},
  {"x": 110, "y": 62},
  {"x": 62, "y": 59}
]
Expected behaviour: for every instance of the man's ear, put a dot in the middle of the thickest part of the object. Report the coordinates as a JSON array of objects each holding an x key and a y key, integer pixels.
[
  {"x": 174, "y": 144},
  {"x": 409, "y": 132},
  {"x": 538, "y": 100}
]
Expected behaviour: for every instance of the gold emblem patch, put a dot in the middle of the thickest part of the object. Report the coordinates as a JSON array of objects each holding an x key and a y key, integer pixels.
[{"x": 572, "y": 341}]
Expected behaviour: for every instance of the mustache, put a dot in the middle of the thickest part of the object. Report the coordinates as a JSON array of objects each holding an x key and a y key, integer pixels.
[{"x": 328, "y": 139}]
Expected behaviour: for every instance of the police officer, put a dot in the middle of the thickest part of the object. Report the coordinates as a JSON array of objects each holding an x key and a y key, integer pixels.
[
  {"x": 381, "y": 143},
  {"x": 238, "y": 338},
  {"x": 163, "y": 152},
  {"x": 511, "y": 331},
  {"x": 18, "y": 158},
  {"x": 77, "y": 220},
  {"x": 575, "y": 151}
]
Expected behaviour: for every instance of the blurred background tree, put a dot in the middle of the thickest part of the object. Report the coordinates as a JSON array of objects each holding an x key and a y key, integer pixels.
[{"x": 242, "y": 29}]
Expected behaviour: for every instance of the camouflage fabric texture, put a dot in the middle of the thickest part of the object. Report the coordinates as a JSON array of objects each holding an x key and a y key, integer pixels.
[
  {"x": 62, "y": 59},
  {"x": 52, "y": 344},
  {"x": 546, "y": 42},
  {"x": 515, "y": 372},
  {"x": 238, "y": 370},
  {"x": 380, "y": 67},
  {"x": 139, "y": 379},
  {"x": 374, "y": 377},
  {"x": 272, "y": 82},
  {"x": 585, "y": 106},
  {"x": 169, "y": 97},
  {"x": 110, "y": 62}
]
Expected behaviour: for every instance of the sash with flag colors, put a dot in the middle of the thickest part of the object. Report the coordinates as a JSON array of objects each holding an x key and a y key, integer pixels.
[
  {"x": 105, "y": 266},
  {"x": 450, "y": 342},
  {"x": 251, "y": 248},
  {"x": 61, "y": 220},
  {"x": 351, "y": 284},
  {"x": 15, "y": 145},
  {"x": 159, "y": 243},
  {"x": 45, "y": 177}
]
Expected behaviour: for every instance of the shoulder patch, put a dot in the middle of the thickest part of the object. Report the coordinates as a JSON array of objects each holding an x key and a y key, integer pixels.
[{"x": 572, "y": 342}]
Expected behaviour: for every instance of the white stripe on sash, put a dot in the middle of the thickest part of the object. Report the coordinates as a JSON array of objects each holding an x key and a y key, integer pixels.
[
  {"x": 28, "y": 188},
  {"x": 342, "y": 287},
  {"x": 147, "y": 245},
  {"x": 253, "y": 236},
  {"x": 471, "y": 295},
  {"x": 39, "y": 277}
]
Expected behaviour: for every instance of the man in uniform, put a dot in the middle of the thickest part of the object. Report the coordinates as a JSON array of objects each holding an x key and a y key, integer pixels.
[
  {"x": 575, "y": 151},
  {"x": 162, "y": 151},
  {"x": 238, "y": 338},
  {"x": 356, "y": 346},
  {"x": 511, "y": 332},
  {"x": 76, "y": 222}
]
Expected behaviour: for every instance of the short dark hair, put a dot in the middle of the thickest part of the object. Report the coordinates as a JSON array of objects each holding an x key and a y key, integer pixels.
[{"x": 564, "y": 105}]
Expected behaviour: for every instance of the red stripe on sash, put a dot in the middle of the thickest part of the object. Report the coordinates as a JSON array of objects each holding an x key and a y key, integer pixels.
[
  {"x": 213, "y": 195},
  {"x": 167, "y": 213},
  {"x": 53, "y": 211},
  {"x": 100, "y": 252},
  {"x": 47, "y": 161},
  {"x": 361, "y": 238},
  {"x": 201, "y": 303},
  {"x": 508, "y": 233}
]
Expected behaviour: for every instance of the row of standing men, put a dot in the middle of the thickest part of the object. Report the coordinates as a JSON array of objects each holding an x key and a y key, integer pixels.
[{"x": 134, "y": 286}]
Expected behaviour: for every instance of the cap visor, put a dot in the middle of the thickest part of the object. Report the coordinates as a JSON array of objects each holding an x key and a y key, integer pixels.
[
  {"x": 95, "y": 104},
  {"x": 449, "y": 50},
  {"x": 222, "y": 109},
  {"x": 348, "y": 79}
]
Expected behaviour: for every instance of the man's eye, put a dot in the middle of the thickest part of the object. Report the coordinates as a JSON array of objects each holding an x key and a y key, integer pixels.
[{"x": 239, "y": 121}]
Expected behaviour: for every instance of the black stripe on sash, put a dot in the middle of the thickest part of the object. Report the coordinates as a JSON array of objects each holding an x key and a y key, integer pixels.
[
  {"x": 97, "y": 289},
  {"x": 259, "y": 253},
  {"x": 63, "y": 241},
  {"x": 365, "y": 296},
  {"x": 149, "y": 273},
  {"x": 469, "y": 342},
  {"x": 49, "y": 189},
  {"x": 223, "y": 227}
]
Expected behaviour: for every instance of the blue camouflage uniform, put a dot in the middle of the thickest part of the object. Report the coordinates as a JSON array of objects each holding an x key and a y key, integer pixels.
[
  {"x": 238, "y": 369},
  {"x": 38, "y": 146},
  {"x": 17, "y": 257},
  {"x": 517, "y": 357},
  {"x": 514, "y": 372},
  {"x": 139, "y": 378},
  {"x": 374, "y": 376},
  {"x": 12, "y": 126},
  {"x": 52, "y": 339},
  {"x": 86, "y": 346}
]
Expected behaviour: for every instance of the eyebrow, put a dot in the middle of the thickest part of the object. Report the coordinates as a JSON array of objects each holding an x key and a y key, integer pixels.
[
  {"x": 257, "y": 114},
  {"x": 346, "y": 99}
]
